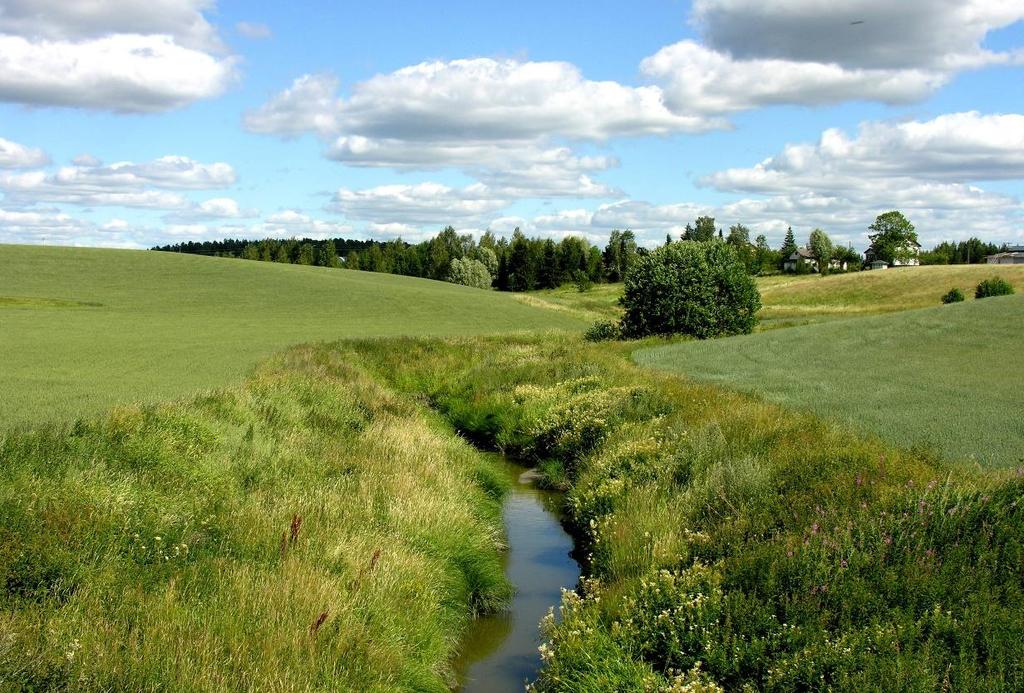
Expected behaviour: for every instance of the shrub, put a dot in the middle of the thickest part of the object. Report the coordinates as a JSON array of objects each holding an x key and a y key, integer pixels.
[
  {"x": 996, "y": 286},
  {"x": 602, "y": 331},
  {"x": 583, "y": 281},
  {"x": 469, "y": 272},
  {"x": 955, "y": 295},
  {"x": 695, "y": 288}
]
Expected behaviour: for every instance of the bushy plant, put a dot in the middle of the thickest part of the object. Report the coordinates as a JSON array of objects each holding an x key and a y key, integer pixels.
[
  {"x": 603, "y": 331},
  {"x": 582, "y": 281},
  {"x": 694, "y": 288},
  {"x": 469, "y": 272},
  {"x": 954, "y": 295},
  {"x": 996, "y": 286}
]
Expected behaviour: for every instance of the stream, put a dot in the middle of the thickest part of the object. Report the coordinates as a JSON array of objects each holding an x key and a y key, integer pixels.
[{"x": 500, "y": 651}]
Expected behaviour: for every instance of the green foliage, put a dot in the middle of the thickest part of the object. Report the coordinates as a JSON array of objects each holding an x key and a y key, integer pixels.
[
  {"x": 821, "y": 246},
  {"x": 788, "y": 245},
  {"x": 691, "y": 288},
  {"x": 893, "y": 238},
  {"x": 703, "y": 229},
  {"x": 619, "y": 255},
  {"x": 971, "y": 251},
  {"x": 582, "y": 281},
  {"x": 996, "y": 286},
  {"x": 603, "y": 331},
  {"x": 469, "y": 272},
  {"x": 954, "y": 295}
]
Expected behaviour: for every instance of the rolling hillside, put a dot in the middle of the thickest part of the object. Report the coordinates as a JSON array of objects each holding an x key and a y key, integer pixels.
[
  {"x": 792, "y": 300},
  {"x": 84, "y": 329},
  {"x": 945, "y": 377},
  {"x": 797, "y": 300}
]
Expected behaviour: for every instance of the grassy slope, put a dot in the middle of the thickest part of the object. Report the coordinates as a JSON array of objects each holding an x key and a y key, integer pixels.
[
  {"x": 84, "y": 329},
  {"x": 152, "y": 548},
  {"x": 793, "y": 300},
  {"x": 942, "y": 377}
]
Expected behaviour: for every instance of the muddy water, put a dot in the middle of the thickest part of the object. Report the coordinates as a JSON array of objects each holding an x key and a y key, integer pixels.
[{"x": 500, "y": 651}]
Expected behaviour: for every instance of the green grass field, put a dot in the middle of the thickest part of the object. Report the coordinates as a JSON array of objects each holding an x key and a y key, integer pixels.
[
  {"x": 84, "y": 329},
  {"x": 790, "y": 300},
  {"x": 942, "y": 377}
]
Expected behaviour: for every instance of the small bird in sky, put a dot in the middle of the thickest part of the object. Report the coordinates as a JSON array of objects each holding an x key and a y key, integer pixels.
[{"x": 859, "y": 21}]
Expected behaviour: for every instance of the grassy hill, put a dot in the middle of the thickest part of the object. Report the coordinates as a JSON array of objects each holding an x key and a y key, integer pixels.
[
  {"x": 943, "y": 377},
  {"x": 796, "y": 300},
  {"x": 84, "y": 329},
  {"x": 791, "y": 300}
]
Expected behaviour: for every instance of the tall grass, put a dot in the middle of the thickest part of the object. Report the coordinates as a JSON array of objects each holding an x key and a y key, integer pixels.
[
  {"x": 731, "y": 544},
  {"x": 310, "y": 530}
]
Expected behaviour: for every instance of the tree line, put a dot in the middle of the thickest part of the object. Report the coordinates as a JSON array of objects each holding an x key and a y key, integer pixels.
[{"x": 520, "y": 263}]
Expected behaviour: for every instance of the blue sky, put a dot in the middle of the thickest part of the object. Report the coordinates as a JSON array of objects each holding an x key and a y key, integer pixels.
[{"x": 129, "y": 124}]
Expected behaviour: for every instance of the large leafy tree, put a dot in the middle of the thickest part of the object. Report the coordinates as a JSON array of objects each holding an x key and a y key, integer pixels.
[
  {"x": 894, "y": 237},
  {"x": 703, "y": 229},
  {"x": 619, "y": 254},
  {"x": 700, "y": 289},
  {"x": 821, "y": 245}
]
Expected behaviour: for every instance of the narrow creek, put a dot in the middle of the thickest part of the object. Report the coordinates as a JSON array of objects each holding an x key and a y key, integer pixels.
[{"x": 500, "y": 651}]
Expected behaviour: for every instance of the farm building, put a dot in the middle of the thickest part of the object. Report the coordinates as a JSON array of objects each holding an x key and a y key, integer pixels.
[
  {"x": 1014, "y": 255},
  {"x": 878, "y": 264}
]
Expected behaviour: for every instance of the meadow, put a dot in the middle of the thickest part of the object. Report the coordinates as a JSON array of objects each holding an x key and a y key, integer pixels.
[
  {"x": 325, "y": 519},
  {"x": 82, "y": 330},
  {"x": 789, "y": 300},
  {"x": 938, "y": 378}
]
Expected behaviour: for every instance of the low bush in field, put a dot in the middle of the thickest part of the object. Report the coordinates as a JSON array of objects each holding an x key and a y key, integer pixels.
[
  {"x": 996, "y": 286},
  {"x": 954, "y": 295},
  {"x": 730, "y": 546},
  {"x": 255, "y": 538},
  {"x": 603, "y": 331}
]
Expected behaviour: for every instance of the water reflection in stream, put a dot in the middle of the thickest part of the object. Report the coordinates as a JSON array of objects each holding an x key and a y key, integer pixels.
[{"x": 500, "y": 651}]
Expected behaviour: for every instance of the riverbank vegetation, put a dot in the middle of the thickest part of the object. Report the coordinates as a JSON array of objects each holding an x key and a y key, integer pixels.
[
  {"x": 730, "y": 543},
  {"x": 309, "y": 530}
]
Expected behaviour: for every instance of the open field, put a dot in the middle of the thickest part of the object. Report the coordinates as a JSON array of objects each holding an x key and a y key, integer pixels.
[
  {"x": 790, "y": 300},
  {"x": 940, "y": 377},
  {"x": 84, "y": 329},
  {"x": 307, "y": 530}
]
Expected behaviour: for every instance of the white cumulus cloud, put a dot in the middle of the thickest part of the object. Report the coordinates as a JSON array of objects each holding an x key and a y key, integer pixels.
[
  {"x": 14, "y": 155},
  {"x": 119, "y": 55}
]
